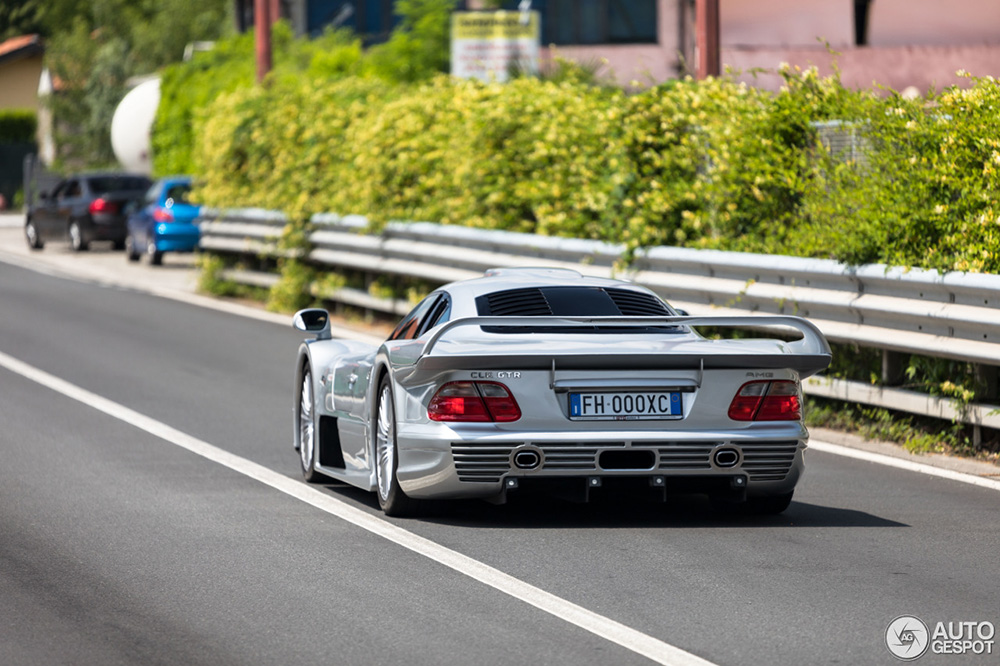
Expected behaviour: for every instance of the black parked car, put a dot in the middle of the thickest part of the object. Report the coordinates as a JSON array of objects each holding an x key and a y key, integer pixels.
[{"x": 85, "y": 208}]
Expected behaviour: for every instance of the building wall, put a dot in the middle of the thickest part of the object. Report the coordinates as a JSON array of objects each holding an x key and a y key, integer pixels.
[
  {"x": 934, "y": 22},
  {"x": 19, "y": 87},
  {"x": 896, "y": 68},
  {"x": 645, "y": 63},
  {"x": 786, "y": 23},
  {"x": 910, "y": 43}
]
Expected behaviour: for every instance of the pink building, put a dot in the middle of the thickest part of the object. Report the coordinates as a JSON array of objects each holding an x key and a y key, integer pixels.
[{"x": 898, "y": 44}]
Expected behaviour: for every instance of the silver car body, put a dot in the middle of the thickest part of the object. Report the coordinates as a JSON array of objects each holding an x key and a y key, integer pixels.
[{"x": 542, "y": 360}]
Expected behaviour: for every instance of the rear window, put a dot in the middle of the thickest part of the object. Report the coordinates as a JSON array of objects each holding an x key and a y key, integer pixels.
[
  {"x": 119, "y": 183},
  {"x": 178, "y": 194}
]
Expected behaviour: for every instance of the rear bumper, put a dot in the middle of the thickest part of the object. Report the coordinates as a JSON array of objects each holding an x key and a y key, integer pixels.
[
  {"x": 176, "y": 237},
  {"x": 435, "y": 461},
  {"x": 104, "y": 227}
]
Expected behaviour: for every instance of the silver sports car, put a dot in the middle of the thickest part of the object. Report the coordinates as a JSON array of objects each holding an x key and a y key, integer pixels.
[{"x": 546, "y": 378}]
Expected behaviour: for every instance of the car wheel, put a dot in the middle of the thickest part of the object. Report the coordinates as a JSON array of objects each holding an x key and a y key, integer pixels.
[
  {"x": 130, "y": 251},
  {"x": 767, "y": 505},
  {"x": 391, "y": 497},
  {"x": 307, "y": 431},
  {"x": 76, "y": 237},
  {"x": 31, "y": 235},
  {"x": 155, "y": 257}
]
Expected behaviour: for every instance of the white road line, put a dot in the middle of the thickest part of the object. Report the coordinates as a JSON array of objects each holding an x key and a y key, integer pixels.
[
  {"x": 908, "y": 465},
  {"x": 351, "y": 334},
  {"x": 631, "y": 639}
]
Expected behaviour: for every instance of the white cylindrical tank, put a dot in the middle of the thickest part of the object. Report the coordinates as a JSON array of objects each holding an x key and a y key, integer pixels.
[{"x": 132, "y": 125}]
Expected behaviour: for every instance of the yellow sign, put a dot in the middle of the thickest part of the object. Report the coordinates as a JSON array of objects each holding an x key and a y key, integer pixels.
[
  {"x": 496, "y": 25},
  {"x": 490, "y": 45}
]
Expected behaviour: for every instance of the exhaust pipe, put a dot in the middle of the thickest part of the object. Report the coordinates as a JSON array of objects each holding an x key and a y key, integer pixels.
[
  {"x": 527, "y": 458},
  {"x": 726, "y": 457}
]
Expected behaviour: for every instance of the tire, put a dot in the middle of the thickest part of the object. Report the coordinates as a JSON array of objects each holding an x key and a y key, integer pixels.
[
  {"x": 306, "y": 423},
  {"x": 76, "y": 241},
  {"x": 391, "y": 498},
  {"x": 119, "y": 245},
  {"x": 767, "y": 505},
  {"x": 155, "y": 257},
  {"x": 130, "y": 251},
  {"x": 31, "y": 235}
]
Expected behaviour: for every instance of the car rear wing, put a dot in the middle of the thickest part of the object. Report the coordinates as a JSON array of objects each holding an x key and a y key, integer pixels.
[{"x": 808, "y": 354}]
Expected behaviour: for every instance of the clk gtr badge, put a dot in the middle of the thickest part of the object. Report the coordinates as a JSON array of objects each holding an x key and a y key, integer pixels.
[{"x": 499, "y": 374}]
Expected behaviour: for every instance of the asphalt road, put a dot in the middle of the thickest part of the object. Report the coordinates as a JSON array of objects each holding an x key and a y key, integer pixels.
[{"x": 151, "y": 512}]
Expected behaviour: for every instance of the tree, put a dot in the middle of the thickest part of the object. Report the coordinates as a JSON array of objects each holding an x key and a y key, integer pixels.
[
  {"x": 420, "y": 45},
  {"x": 96, "y": 46}
]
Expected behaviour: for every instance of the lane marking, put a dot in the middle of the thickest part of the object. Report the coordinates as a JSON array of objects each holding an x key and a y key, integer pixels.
[
  {"x": 900, "y": 463},
  {"x": 107, "y": 281},
  {"x": 606, "y": 628},
  {"x": 351, "y": 334}
]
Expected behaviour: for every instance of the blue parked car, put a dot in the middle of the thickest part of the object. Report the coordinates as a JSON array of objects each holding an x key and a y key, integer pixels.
[{"x": 167, "y": 222}]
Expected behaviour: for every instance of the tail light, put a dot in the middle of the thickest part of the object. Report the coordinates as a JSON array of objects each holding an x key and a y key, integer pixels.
[
  {"x": 473, "y": 401},
  {"x": 767, "y": 401},
  {"x": 162, "y": 215},
  {"x": 102, "y": 205}
]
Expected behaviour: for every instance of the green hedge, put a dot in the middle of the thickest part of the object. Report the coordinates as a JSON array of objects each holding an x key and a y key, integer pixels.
[
  {"x": 18, "y": 125},
  {"x": 708, "y": 164}
]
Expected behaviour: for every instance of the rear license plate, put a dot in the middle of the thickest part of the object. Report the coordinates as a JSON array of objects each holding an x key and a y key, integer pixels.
[{"x": 625, "y": 406}]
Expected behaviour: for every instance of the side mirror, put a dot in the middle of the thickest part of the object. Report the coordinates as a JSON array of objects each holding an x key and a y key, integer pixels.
[
  {"x": 43, "y": 195},
  {"x": 313, "y": 320}
]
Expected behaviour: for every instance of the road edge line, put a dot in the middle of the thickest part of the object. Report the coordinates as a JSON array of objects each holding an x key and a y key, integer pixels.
[
  {"x": 634, "y": 640},
  {"x": 908, "y": 465}
]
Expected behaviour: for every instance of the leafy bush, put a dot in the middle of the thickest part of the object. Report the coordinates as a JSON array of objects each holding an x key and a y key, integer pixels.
[
  {"x": 17, "y": 125},
  {"x": 711, "y": 164},
  {"x": 188, "y": 90}
]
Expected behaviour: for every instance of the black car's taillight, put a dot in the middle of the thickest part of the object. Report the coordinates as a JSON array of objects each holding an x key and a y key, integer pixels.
[{"x": 102, "y": 205}]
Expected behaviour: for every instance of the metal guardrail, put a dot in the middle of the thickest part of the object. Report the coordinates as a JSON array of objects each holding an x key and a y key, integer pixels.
[{"x": 953, "y": 315}]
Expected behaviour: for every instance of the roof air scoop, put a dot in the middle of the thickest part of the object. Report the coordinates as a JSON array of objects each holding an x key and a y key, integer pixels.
[{"x": 527, "y": 271}]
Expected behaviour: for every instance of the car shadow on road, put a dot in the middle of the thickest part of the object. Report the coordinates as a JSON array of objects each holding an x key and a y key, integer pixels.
[{"x": 684, "y": 511}]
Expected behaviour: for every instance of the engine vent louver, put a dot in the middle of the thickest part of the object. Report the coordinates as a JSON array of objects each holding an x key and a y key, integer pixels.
[
  {"x": 570, "y": 301},
  {"x": 635, "y": 304},
  {"x": 518, "y": 303},
  {"x": 769, "y": 461}
]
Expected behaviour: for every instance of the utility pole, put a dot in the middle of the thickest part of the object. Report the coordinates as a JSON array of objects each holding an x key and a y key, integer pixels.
[
  {"x": 707, "y": 38},
  {"x": 262, "y": 26}
]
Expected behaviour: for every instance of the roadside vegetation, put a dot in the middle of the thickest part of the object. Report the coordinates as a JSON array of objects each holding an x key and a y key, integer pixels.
[
  {"x": 93, "y": 48},
  {"x": 816, "y": 170}
]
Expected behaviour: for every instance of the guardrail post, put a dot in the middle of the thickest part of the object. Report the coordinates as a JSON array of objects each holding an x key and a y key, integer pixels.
[
  {"x": 986, "y": 381},
  {"x": 986, "y": 389},
  {"x": 893, "y": 367}
]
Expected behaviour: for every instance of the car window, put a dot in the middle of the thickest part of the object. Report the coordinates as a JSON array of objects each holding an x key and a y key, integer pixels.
[
  {"x": 439, "y": 314},
  {"x": 58, "y": 192},
  {"x": 72, "y": 189},
  {"x": 409, "y": 328},
  {"x": 152, "y": 194},
  {"x": 105, "y": 184},
  {"x": 177, "y": 194}
]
